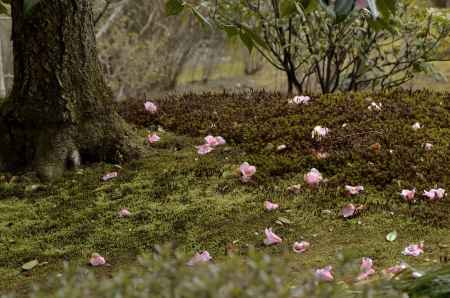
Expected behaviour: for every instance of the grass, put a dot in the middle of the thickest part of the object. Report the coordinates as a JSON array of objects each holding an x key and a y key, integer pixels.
[{"x": 198, "y": 203}]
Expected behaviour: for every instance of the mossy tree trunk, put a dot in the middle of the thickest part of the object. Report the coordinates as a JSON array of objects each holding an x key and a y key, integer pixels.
[{"x": 60, "y": 107}]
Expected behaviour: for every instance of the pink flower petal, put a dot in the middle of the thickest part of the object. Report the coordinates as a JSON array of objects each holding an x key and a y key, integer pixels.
[
  {"x": 413, "y": 250},
  {"x": 150, "y": 107},
  {"x": 124, "y": 213},
  {"x": 408, "y": 195},
  {"x": 313, "y": 177},
  {"x": 200, "y": 258},
  {"x": 348, "y": 211},
  {"x": 354, "y": 190},
  {"x": 270, "y": 206},
  {"x": 325, "y": 274},
  {"x": 301, "y": 247},
  {"x": 97, "y": 260},
  {"x": 109, "y": 176},
  {"x": 204, "y": 149},
  {"x": 153, "y": 138},
  {"x": 247, "y": 171},
  {"x": 271, "y": 237}
]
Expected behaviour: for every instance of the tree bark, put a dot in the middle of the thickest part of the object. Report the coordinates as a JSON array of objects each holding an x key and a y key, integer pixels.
[{"x": 60, "y": 108}]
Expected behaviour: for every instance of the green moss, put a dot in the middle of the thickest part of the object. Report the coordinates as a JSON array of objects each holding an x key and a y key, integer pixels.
[{"x": 197, "y": 202}]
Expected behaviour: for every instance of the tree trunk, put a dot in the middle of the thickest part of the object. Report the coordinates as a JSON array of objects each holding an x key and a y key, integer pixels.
[{"x": 60, "y": 108}]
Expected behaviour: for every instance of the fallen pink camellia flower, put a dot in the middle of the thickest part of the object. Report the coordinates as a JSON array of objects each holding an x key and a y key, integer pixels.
[
  {"x": 204, "y": 149},
  {"x": 408, "y": 195},
  {"x": 325, "y": 274},
  {"x": 366, "y": 269},
  {"x": 124, "y": 213},
  {"x": 214, "y": 141},
  {"x": 211, "y": 141},
  {"x": 313, "y": 177},
  {"x": 271, "y": 237},
  {"x": 300, "y": 100},
  {"x": 97, "y": 260},
  {"x": 301, "y": 247},
  {"x": 350, "y": 210},
  {"x": 150, "y": 107},
  {"x": 319, "y": 132},
  {"x": 247, "y": 171},
  {"x": 435, "y": 194},
  {"x": 153, "y": 138},
  {"x": 109, "y": 176},
  {"x": 270, "y": 206},
  {"x": 199, "y": 258},
  {"x": 354, "y": 190},
  {"x": 413, "y": 250}
]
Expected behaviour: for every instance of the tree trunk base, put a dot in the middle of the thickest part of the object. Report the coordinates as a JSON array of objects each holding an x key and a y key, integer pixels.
[{"x": 49, "y": 151}]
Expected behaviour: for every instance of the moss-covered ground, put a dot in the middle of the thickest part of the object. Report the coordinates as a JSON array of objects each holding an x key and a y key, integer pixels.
[{"x": 198, "y": 202}]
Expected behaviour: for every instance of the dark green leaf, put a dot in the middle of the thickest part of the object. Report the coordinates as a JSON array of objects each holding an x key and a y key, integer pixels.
[
  {"x": 174, "y": 7},
  {"x": 288, "y": 8}
]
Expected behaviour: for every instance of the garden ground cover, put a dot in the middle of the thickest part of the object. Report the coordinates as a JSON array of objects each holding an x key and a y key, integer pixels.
[{"x": 199, "y": 203}]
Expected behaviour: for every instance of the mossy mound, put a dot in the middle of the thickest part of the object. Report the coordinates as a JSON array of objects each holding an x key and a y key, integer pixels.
[
  {"x": 198, "y": 202},
  {"x": 378, "y": 149}
]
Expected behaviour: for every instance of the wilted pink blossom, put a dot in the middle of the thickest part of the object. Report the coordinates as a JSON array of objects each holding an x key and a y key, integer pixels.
[
  {"x": 301, "y": 247},
  {"x": 270, "y": 206},
  {"x": 435, "y": 194},
  {"x": 354, "y": 190},
  {"x": 366, "y": 269},
  {"x": 124, "y": 213},
  {"x": 200, "y": 258},
  {"x": 319, "y": 132},
  {"x": 408, "y": 195},
  {"x": 150, "y": 107},
  {"x": 325, "y": 274},
  {"x": 413, "y": 250},
  {"x": 350, "y": 210},
  {"x": 109, "y": 176},
  {"x": 299, "y": 100},
  {"x": 153, "y": 138},
  {"x": 97, "y": 260},
  {"x": 428, "y": 146},
  {"x": 247, "y": 171},
  {"x": 204, "y": 149},
  {"x": 271, "y": 237},
  {"x": 313, "y": 177}
]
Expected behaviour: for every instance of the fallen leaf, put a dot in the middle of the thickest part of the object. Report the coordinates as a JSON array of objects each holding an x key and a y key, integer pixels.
[
  {"x": 391, "y": 236},
  {"x": 30, "y": 265}
]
